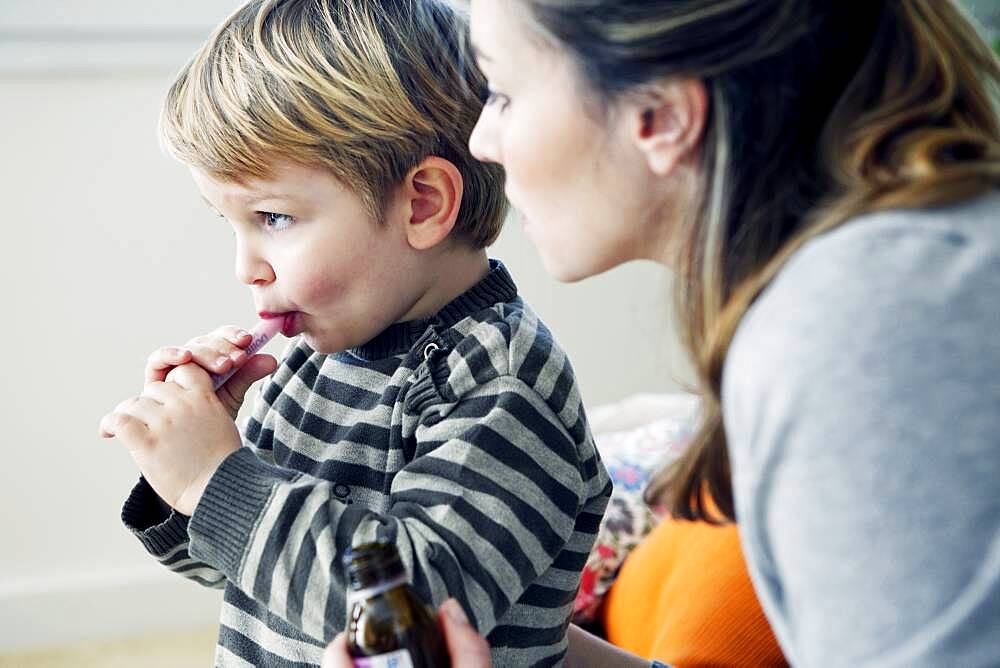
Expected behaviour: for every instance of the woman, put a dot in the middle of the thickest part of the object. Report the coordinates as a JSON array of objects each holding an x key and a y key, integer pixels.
[{"x": 824, "y": 179}]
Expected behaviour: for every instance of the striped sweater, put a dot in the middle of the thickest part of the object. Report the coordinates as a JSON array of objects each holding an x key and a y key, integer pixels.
[{"x": 461, "y": 438}]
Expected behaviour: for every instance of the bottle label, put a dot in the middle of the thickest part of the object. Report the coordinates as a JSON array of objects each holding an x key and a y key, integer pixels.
[{"x": 398, "y": 659}]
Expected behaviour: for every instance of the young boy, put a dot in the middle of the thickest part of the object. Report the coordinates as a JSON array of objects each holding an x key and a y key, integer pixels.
[{"x": 421, "y": 401}]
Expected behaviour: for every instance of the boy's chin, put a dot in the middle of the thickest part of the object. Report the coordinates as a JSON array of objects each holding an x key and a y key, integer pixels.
[
  {"x": 324, "y": 345},
  {"x": 315, "y": 343}
]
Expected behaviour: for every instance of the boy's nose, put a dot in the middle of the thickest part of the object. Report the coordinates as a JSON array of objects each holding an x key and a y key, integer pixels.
[{"x": 251, "y": 268}]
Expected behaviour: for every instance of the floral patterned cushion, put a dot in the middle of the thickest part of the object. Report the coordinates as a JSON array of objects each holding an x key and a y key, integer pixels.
[{"x": 635, "y": 438}]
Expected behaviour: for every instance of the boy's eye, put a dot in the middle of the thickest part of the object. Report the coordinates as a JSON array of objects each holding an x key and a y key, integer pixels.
[{"x": 276, "y": 221}]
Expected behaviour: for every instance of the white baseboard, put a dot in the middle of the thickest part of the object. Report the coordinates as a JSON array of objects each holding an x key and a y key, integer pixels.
[{"x": 57, "y": 611}]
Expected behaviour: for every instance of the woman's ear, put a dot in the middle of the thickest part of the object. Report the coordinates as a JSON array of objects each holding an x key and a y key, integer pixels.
[
  {"x": 431, "y": 198},
  {"x": 668, "y": 122}
]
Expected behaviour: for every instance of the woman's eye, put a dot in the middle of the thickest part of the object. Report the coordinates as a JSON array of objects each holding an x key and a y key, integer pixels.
[
  {"x": 276, "y": 221},
  {"x": 495, "y": 98}
]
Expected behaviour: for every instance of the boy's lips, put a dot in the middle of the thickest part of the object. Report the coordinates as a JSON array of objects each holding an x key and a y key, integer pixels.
[{"x": 291, "y": 325}]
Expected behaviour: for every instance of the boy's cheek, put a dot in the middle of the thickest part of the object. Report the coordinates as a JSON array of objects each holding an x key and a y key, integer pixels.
[{"x": 323, "y": 288}]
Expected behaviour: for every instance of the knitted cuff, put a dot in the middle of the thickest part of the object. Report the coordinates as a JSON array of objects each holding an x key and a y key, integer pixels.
[
  {"x": 224, "y": 521},
  {"x": 157, "y": 526}
]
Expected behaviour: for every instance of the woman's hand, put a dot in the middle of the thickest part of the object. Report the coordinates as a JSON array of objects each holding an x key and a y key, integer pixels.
[{"x": 467, "y": 648}]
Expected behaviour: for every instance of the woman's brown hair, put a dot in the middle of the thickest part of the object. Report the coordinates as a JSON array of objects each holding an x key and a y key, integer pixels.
[{"x": 820, "y": 112}]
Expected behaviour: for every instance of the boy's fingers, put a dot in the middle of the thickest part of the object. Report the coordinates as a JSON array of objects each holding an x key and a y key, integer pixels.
[
  {"x": 217, "y": 356},
  {"x": 167, "y": 355},
  {"x": 227, "y": 336},
  {"x": 106, "y": 428},
  {"x": 255, "y": 368},
  {"x": 216, "y": 352},
  {"x": 117, "y": 424},
  {"x": 235, "y": 335},
  {"x": 143, "y": 409},
  {"x": 161, "y": 361},
  {"x": 190, "y": 377},
  {"x": 161, "y": 392}
]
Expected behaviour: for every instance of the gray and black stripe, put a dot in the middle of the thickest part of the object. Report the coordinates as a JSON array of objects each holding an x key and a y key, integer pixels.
[{"x": 462, "y": 438}]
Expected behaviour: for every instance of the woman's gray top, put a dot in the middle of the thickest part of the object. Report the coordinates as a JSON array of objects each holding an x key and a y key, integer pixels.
[{"x": 862, "y": 404}]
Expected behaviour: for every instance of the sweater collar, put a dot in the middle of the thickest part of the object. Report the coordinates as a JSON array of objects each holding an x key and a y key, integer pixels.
[{"x": 495, "y": 287}]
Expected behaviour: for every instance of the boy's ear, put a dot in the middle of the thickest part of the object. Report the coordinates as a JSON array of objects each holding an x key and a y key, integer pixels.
[
  {"x": 431, "y": 198},
  {"x": 668, "y": 122}
]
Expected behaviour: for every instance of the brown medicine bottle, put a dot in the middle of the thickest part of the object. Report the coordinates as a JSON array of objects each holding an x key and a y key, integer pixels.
[{"x": 388, "y": 626}]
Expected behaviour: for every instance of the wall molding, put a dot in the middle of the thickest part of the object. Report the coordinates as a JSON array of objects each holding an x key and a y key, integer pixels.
[{"x": 57, "y": 611}]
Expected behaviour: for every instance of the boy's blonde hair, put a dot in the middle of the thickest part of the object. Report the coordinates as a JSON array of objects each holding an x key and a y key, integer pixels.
[{"x": 365, "y": 88}]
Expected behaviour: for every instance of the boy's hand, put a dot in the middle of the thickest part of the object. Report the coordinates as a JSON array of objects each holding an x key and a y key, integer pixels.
[
  {"x": 178, "y": 432},
  {"x": 216, "y": 352}
]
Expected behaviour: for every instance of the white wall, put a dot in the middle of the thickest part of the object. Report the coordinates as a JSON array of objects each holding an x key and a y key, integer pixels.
[{"x": 107, "y": 253}]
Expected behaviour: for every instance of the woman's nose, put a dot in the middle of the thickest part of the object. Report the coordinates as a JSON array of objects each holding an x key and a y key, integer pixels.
[{"x": 482, "y": 142}]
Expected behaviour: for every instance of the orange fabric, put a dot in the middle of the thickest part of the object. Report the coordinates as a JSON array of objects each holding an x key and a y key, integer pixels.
[{"x": 684, "y": 597}]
